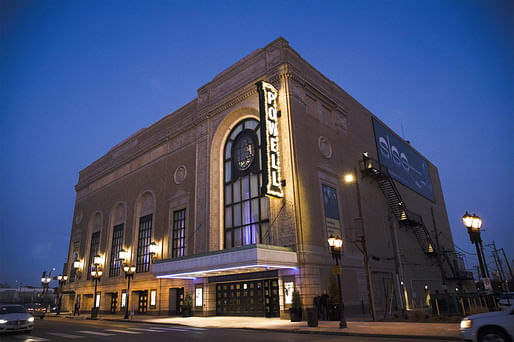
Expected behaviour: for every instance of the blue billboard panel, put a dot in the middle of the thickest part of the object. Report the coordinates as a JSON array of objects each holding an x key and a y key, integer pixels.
[{"x": 404, "y": 164}]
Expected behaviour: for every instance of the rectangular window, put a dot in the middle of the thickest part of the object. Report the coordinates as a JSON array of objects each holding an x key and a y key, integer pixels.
[
  {"x": 75, "y": 257},
  {"x": 179, "y": 230},
  {"x": 117, "y": 241},
  {"x": 97, "y": 302},
  {"x": 153, "y": 298},
  {"x": 143, "y": 244},
  {"x": 93, "y": 251}
]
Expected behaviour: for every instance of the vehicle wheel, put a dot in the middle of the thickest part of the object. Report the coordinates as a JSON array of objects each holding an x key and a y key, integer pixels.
[
  {"x": 29, "y": 331},
  {"x": 493, "y": 335}
]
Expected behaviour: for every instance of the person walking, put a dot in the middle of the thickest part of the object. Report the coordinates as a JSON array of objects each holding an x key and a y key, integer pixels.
[{"x": 76, "y": 310}]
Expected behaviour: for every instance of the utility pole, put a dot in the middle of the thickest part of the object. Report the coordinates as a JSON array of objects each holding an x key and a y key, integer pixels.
[
  {"x": 499, "y": 265},
  {"x": 508, "y": 265}
]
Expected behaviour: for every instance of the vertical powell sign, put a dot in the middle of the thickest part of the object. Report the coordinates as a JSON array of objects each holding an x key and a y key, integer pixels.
[{"x": 270, "y": 140}]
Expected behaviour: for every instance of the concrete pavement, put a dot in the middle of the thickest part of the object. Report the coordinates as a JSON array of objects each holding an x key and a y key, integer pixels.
[{"x": 442, "y": 331}]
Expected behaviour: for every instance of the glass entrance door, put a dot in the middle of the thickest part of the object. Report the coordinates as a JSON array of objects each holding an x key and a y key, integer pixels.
[
  {"x": 114, "y": 302},
  {"x": 143, "y": 302},
  {"x": 248, "y": 298}
]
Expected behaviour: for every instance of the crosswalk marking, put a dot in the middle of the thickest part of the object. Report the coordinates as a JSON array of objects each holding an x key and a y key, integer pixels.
[
  {"x": 94, "y": 333},
  {"x": 146, "y": 329},
  {"x": 65, "y": 335},
  {"x": 29, "y": 338},
  {"x": 122, "y": 331}
]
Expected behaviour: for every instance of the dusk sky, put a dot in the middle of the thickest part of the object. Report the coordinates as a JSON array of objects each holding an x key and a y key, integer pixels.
[{"x": 78, "y": 77}]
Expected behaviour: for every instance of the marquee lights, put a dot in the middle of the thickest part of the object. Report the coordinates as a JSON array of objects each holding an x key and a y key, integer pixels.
[
  {"x": 195, "y": 274},
  {"x": 270, "y": 145}
]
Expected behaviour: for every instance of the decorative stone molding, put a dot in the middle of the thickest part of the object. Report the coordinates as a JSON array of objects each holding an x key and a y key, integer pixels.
[
  {"x": 78, "y": 217},
  {"x": 180, "y": 174},
  {"x": 324, "y": 147}
]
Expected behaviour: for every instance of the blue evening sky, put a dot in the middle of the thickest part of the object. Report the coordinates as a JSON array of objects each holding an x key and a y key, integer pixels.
[{"x": 77, "y": 77}]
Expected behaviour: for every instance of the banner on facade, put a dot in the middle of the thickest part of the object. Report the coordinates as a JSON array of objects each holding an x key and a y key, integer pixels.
[
  {"x": 403, "y": 163},
  {"x": 332, "y": 219}
]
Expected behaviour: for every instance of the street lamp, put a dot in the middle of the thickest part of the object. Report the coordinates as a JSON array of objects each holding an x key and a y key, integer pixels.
[
  {"x": 96, "y": 273},
  {"x": 352, "y": 178},
  {"x": 45, "y": 281},
  {"x": 129, "y": 274},
  {"x": 473, "y": 224},
  {"x": 62, "y": 280},
  {"x": 336, "y": 244}
]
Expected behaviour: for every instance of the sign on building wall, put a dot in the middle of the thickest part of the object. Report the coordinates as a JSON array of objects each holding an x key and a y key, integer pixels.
[
  {"x": 332, "y": 219},
  {"x": 404, "y": 164},
  {"x": 270, "y": 139}
]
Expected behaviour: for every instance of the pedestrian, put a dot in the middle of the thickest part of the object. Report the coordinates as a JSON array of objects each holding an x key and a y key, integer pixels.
[
  {"x": 323, "y": 302},
  {"x": 76, "y": 310},
  {"x": 317, "y": 306}
]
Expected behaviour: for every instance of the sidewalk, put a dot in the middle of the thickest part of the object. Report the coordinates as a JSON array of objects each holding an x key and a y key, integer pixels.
[{"x": 442, "y": 331}]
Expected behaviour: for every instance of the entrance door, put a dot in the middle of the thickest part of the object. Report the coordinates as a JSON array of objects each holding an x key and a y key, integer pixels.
[
  {"x": 114, "y": 302},
  {"x": 143, "y": 302},
  {"x": 176, "y": 301},
  {"x": 248, "y": 298}
]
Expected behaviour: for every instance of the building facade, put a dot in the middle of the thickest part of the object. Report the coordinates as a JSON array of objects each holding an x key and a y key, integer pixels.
[{"x": 232, "y": 198}]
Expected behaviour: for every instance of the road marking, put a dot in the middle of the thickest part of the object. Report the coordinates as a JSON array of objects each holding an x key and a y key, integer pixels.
[
  {"x": 94, "y": 333},
  {"x": 65, "y": 335},
  {"x": 123, "y": 331},
  {"x": 146, "y": 329},
  {"x": 29, "y": 338},
  {"x": 172, "y": 329}
]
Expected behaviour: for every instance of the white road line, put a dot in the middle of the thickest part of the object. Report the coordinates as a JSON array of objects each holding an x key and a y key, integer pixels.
[
  {"x": 172, "y": 329},
  {"x": 123, "y": 331},
  {"x": 65, "y": 335},
  {"x": 94, "y": 333},
  {"x": 29, "y": 338},
  {"x": 146, "y": 329}
]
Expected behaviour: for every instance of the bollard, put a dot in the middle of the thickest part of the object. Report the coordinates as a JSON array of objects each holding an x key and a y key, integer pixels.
[
  {"x": 462, "y": 304},
  {"x": 437, "y": 307}
]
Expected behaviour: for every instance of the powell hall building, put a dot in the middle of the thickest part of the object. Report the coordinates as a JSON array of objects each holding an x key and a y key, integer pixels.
[{"x": 232, "y": 198}]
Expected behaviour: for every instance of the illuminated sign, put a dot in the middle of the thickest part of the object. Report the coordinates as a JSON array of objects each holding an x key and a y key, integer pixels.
[
  {"x": 199, "y": 298},
  {"x": 403, "y": 163},
  {"x": 270, "y": 142}
]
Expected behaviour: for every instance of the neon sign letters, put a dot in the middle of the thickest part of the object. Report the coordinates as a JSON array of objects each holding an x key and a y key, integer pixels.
[{"x": 268, "y": 96}]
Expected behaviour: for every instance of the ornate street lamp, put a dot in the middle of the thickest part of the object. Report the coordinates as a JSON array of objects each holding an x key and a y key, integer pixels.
[
  {"x": 62, "y": 280},
  {"x": 96, "y": 274},
  {"x": 336, "y": 244},
  {"x": 473, "y": 224},
  {"x": 129, "y": 274}
]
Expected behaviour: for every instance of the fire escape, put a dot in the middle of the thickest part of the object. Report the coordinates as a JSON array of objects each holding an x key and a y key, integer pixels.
[{"x": 405, "y": 217}]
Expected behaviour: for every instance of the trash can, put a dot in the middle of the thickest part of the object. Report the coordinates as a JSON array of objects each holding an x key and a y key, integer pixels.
[{"x": 312, "y": 317}]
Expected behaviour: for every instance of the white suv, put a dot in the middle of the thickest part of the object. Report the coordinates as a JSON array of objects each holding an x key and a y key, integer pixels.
[{"x": 491, "y": 326}]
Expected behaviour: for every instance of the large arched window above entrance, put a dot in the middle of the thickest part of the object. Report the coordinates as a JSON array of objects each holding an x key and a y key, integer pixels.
[{"x": 246, "y": 219}]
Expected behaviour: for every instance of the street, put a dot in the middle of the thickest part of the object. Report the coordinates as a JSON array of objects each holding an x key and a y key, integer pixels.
[{"x": 61, "y": 329}]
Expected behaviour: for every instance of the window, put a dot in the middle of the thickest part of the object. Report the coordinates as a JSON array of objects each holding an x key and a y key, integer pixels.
[
  {"x": 117, "y": 241},
  {"x": 75, "y": 257},
  {"x": 93, "y": 251},
  {"x": 246, "y": 211},
  {"x": 179, "y": 227},
  {"x": 143, "y": 244}
]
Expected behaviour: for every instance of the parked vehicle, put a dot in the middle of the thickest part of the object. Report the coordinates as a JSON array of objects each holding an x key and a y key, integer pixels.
[
  {"x": 506, "y": 300},
  {"x": 491, "y": 326},
  {"x": 14, "y": 317},
  {"x": 36, "y": 310}
]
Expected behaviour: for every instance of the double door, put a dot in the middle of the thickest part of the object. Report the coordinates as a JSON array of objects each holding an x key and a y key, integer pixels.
[{"x": 248, "y": 298}]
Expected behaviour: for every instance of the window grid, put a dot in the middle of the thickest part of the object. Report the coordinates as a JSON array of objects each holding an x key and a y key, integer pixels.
[
  {"x": 93, "y": 251},
  {"x": 179, "y": 228},
  {"x": 117, "y": 241},
  {"x": 246, "y": 211},
  {"x": 143, "y": 244}
]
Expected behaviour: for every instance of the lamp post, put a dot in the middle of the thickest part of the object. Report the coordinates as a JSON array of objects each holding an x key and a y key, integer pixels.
[
  {"x": 62, "y": 280},
  {"x": 45, "y": 281},
  {"x": 352, "y": 178},
  {"x": 129, "y": 274},
  {"x": 473, "y": 224},
  {"x": 96, "y": 273},
  {"x": 336, "y": 244}
]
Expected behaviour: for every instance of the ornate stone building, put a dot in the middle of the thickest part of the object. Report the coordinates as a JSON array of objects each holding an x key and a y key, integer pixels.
[{"x": 232, "y": 198}]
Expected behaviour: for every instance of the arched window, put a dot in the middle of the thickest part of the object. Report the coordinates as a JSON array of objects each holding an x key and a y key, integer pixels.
[{"x": 246, "y": 210}]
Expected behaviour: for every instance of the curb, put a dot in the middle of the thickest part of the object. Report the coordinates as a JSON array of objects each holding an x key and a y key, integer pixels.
[{"x": 307, "y": 332}]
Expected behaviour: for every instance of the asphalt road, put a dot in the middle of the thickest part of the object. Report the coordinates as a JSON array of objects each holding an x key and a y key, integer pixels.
[{"x": 63, "y": 329}]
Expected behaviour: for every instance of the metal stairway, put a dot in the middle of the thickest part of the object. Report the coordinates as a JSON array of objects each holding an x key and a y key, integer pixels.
[{"x": 405, "y": 217}]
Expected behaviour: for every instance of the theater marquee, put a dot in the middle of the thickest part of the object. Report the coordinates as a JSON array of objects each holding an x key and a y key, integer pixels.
[{"x": 270, "y": 139}]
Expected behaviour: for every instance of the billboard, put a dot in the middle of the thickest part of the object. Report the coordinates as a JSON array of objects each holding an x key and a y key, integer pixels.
[
  {"x": 331, "y": 205},
  {"x": 404, "y": 164}
]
